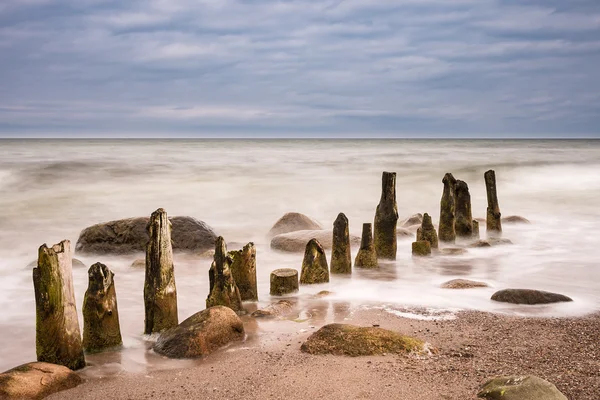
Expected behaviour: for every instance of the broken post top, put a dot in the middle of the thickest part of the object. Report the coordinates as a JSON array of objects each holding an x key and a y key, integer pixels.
[
  {"x": 461, "y": 188},
  {"x": 427, "y": 224},
  {"x": 490, "y": 184},
  {"x": 158, "y": 220},
  {"x": 366, "y": 240},
  {"x": 313, "y": 246},
  {"x": 449, "y": 179},
  {"x": 221, "y": 256},
  {"x": 341, "y": 221},
  {"x": 100, "y": 278},
  {"x": 388, "y": 189}
]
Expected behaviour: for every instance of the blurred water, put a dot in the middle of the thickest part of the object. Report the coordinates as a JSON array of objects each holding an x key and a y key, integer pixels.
[{"x": 51, "y": 190}]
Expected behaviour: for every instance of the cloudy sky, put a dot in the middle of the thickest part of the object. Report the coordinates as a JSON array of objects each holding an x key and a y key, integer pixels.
[{"x": 418, "y": 68}]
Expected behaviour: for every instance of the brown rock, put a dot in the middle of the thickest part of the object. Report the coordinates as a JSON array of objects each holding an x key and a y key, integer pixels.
[
  {"x": 292, "y": 222},
  {"x": 528, "y": 296},
  {"x": 463, "y": 284},
  {"x": 36, "y": 381},
  {"x": 281, "y": 308}
]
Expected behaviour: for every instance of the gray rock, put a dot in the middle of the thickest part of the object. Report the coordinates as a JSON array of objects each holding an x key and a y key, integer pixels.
[
  {"x": 292, "y": 222},
  {"x": 295, "y": 242},
  {"x": 416, "y": 219},
  {"x": 515, "y": 219},
  {"x": 528, "y": 296}
]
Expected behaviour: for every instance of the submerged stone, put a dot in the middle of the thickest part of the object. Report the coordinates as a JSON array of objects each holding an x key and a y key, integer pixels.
[
  {"x": 278, "y": 309},
  {"x": 463, "y": 284},
  {"x": 295, "y": 242},
  {"x": 292, "y": 222}
]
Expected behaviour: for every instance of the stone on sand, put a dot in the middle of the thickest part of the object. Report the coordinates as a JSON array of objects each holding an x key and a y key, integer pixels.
[
  {"x": 519, "y": 388},
  {"x": 36, "y": 380},
  {"x": 528, "y": 296},
  {"x": 278, "y": 309}
]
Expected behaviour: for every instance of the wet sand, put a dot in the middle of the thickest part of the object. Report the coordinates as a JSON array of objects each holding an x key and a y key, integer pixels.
[{"x": 470, "y": 349}]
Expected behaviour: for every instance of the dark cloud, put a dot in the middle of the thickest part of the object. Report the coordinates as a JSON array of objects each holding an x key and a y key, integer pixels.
[{"x": 352, "y": 67}]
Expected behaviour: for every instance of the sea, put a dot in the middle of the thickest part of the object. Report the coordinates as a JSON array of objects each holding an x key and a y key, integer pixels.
[{"x": 52, "y": 189}]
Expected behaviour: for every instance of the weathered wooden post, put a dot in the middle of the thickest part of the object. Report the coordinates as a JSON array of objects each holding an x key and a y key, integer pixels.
[
  {"x": 493, "y": 218},
  {"x": 367, "y": 256},
  {"x": 101, "y": 329},
  {"x": 464, "y": 217},
  {"x": 243, "y": 270},
  {"x": 446, "y": 231},
  {"x": 314, "y": 264},
  {"x": 160, "y": 292},
  {"x": 427, "y": 232},
  {"x": 421, "y": 248},
  {"x": 341, "y": 257},
  {"x": 283, "y": 281},
  {"x": 223, "y": 290},
  {"x": 58, "y": 338},
  {"x": 386, "y": 218},
  {"x": 475, "y": 229}
]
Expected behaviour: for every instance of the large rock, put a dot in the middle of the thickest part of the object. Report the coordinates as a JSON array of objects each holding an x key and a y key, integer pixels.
[
  {"x": 463, "y": 284},
  {"x": 519, "y": 388},
  {"x": 528, "y": 296},
  {"x": 292, "y": 222},
  {"x": 295, "y": 242},
  {"x": 201, "y": 334},
  {"x": 416, "y": 219},
  {"x": 349, "y": 340},
  {"x": 128, "y": 236},
  {"x": 515, "y": 219},
  {"x": 36, "y": 380}
]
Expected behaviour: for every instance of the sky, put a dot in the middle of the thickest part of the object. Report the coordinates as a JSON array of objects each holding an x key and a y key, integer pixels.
[{"x": 326, "y": 68}]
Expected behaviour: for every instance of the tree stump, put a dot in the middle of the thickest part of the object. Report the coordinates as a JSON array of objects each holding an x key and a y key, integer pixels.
[
  {"x": 341, "y": 256},
  {"x": 101, "y": 329},
  {"x": 243, "y": 270},
  {"x": 386, "y": 218},
  {"x": 366, "y": 257},
  {"x": 427, "y": 232},
  {"x": 160, "y": 292},
  {"x": 314, "y": 264},
  {"x": 446, "y": 230},
  {"x": 421, "y": 248},
  {"x": 464, "y": 217},
  {"x": 58, "y": 338},
  {"x": 223, "y": 290},
  {"x": 493, "y": 218},
  {"x": 284, "y": 281}
]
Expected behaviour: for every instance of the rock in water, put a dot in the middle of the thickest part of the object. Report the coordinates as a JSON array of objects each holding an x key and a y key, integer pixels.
[
  {"x": 453, "y": 251},
  {"x": 427, "y": 232},
  {"x": 354, "y": 341},
  {"x": 201, "y": 334},
  {"x": 447, "y": 232},
  {"x": 243, "y": 270},
  {"x": 463, "y": 284},
  {"x": 519, "y": 388},
  {"x": 475, "y": 229},
  {"x": 284, "y": 281},
  {"x": 160, "y": 292},
  {"x": 101, "y": 329},
  {"x": 386, "y": 218},
  {"x": 223, "y": 290},
  {"x": 58, "y": 338},
  {"x": 493, "y": 220},
  {"x": 295, "y": 242},
  {"x": 416, "y": 219},
  {"x": 292, "y": 222},
  {"x": 36, "y": 381},
  {"x": 282, "y": 307},
  {"x": 314, "y": 265},
  {"x": 127, "y": 236},
  {"x": 528, "y": 296},
  {"x": 464, "y": 219},
  {"x": 341, "y": 257},
  {"x": 366, "y": 257},
  {"x": 512, "y": 219},
  {"x": 421, "y": 248}
]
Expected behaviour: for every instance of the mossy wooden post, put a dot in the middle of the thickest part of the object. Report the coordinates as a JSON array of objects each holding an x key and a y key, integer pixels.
[
  {"x": 243, "y": 270},
  {"x": 493, "y": 218},
  {"x": 283, "y": 281},
  {"x": 475, "y": 229},
  {"x": 386, "y": 218},
  {"x": 341, "y": 257},
  {"x": 314, "y": 264},
  {"x": 160, "y": 292},
  {"x": 223, "y": 290},
  {"x": 367, "y": 256},
  {"x": 464, "y": 217},
  {"x": 101, "y": 329},
  {"x": 427, "y": 232},
  {"x": 57, "y": 334},
  {"x": 421, "y": 248},
  {"x": 446, "y": 230}
]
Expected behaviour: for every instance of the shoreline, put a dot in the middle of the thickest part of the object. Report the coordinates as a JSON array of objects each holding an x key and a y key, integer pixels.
[{"x": 472, "y": 348}]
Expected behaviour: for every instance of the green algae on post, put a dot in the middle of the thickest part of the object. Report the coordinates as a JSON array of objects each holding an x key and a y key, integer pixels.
[
  {"x": 386, "y": 218},
  {"x": 367, "y": 256},
  {"x": 341, "y": 257},
  {"x": 464, "y": 218},
  {"x": 493, "y": 217},
  {"x": 223, "y": 290},
  {"x": 314, "y": 264},
  {"x": 446, "y": 230},
  {"x": 427, "y": 232},
  {"x": 243, "y": 270}
]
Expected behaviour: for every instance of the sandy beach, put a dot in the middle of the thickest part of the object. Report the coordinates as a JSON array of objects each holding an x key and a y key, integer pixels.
[{"x": 470, "y": 349}]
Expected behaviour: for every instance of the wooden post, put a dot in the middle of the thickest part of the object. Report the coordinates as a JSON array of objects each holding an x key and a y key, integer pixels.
[
  {"x": 314, "y": 264},
  {"x": 493, "y": 218},
  {"x": 243, "y": 270},
  {"x": 464, "y": 217},
  {"x": 223, "y": 290},
  {"x": 386, "y": 218},
  {"x": 446, "y": 230},
  {"x": 341, "y": 257},
  {"x": 367, "y": 256}
]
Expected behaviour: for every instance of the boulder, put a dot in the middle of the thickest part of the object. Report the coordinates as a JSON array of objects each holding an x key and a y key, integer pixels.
[
  {"x": 283, "y": 281},
  {"x": 416, "y": 219},
  {"x": 292, "y": 222},
  {"x": 314, "y": 265},
  {"x": 353, "y": 341},
  {"x": 515, "y": 219},
  {"x": 463, "y": 284},
  {"x": 490, "y": 242},
  {"x": 528, "y": 296},
  {"x": 281, "y": 308},
  {"x": 36, "y": 380},
  {"x": 519, "y": 388},
  {"x": 75, "y": 264},
  {"x": 128, "y": 236},
  {"x": 139, "y": 264},
  {"x": 201, "y": 334},
  {"x": 295, "y": 242}
]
